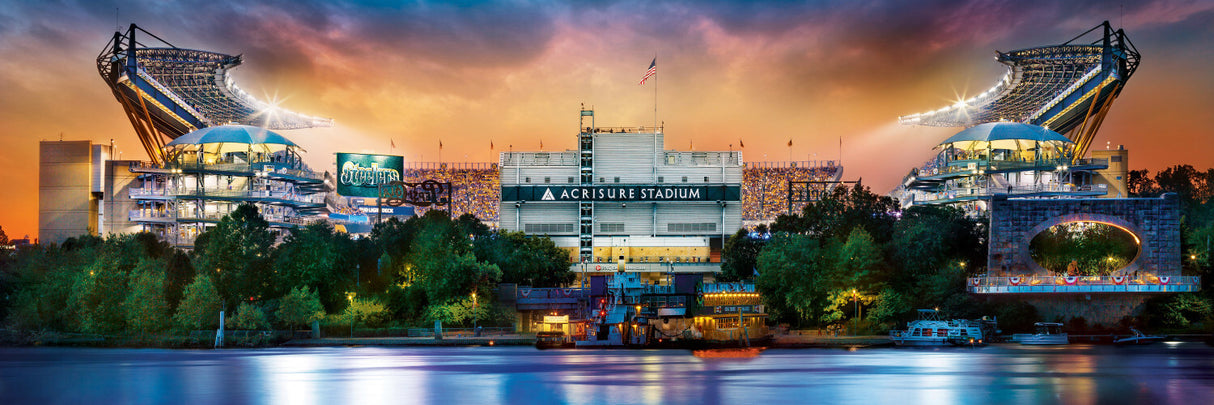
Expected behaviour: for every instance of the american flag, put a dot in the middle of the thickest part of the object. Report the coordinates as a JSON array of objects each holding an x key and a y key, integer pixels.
[{"x": 653, "y": 70}]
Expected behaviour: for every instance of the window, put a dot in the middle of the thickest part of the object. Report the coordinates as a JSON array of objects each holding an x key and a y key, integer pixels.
[
  {"x": 1115, "y": 158},
  {"x": 617, "y": 179},
  {"x": 684, "y": 179},
  {"x": 661, "y": 179},
  {"x": 705, "y": 179},
  {"x": 547, "y": 180},
  {"x": 570, "y": 180},
  {"x": 691, "y": 227},
  {"x": 527, "y": 180},
  {"x": 548, "y": 228},
  {"x": 602, "y": 179},
  {"x": 612, "y": 228}
]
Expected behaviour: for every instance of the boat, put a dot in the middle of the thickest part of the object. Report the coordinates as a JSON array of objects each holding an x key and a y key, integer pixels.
[
  {"x": 930, "y": 330},
  {"x": 626, "y": 311},
  {"x": 1138, "y": 338},
  {"x": 1047, "y": 333},
  {"x": 552, "y": 340}
]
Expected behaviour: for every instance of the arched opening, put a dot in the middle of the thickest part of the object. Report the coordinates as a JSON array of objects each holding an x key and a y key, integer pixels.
[{"x": 1085, "y": 248}]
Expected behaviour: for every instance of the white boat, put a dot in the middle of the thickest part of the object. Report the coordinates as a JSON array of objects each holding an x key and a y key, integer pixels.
[
  {"x": 1047, "y": 333},
  {"x": 1138, "y": 338},
  {"x": 930, "y": 330}
]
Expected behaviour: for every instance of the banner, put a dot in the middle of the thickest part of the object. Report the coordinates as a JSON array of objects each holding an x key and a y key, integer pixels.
[
  {"x": 358, "y": 175},
  {"x": 602, "y": 192}
]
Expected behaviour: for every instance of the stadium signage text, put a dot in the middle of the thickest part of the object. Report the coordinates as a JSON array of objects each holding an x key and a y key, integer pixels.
[
  {"x": 358, "y": 175},
  {"x": 621, "y": 193},
  {"x": 422, "y": 194}
]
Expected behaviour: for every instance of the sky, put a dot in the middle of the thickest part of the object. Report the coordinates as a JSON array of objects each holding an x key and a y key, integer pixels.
[{"x": 831, "y": 76}]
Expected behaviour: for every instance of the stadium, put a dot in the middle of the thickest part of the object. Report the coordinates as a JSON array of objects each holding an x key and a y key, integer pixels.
[{"x": 1030, "y": 134}]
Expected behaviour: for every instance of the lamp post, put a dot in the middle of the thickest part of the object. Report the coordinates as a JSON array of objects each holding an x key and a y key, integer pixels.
[
  {"x": 353, "y": 314},
  {"x": 856, "y": 299}
]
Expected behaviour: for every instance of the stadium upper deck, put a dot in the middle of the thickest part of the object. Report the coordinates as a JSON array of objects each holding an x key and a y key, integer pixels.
[
  {"x": 169, "y": 91},
  {"x": 1067, "y": 88}
]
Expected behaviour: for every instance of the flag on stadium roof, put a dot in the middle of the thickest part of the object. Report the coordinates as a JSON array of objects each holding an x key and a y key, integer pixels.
[
  {"x": 653, "y": 70},
  {"x": 740, "y": 144}
]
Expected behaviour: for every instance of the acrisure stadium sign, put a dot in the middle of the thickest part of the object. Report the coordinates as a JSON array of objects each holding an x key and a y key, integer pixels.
[
  {"x": 360, "y": 175},
  {"x": 719, "y": 192}
]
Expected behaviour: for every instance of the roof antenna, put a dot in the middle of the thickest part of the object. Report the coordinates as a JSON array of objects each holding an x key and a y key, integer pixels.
[{"x": 117, "y": 21}]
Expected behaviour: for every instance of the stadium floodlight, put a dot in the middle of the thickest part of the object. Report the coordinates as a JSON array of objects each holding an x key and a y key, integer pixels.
[
  {"x": 1067, "y": 87},
  {"x": 167, "y": 91}
]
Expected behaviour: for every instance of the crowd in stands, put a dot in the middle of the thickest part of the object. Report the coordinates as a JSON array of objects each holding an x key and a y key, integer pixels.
[
  {"x": 765, "y": 187},
  {"x": 475, "y": 188}
]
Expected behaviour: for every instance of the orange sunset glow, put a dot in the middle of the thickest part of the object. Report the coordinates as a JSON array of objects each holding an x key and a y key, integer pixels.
[{"x": 831, "y": 78}]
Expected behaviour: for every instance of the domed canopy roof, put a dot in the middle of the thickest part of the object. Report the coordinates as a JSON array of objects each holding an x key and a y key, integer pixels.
[
  {"x": 232, "y": 134},
  {"x": 1014, "y": 133}
]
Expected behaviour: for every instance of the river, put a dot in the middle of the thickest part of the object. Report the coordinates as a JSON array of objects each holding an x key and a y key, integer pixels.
[{"x": 1180, "y": 373}]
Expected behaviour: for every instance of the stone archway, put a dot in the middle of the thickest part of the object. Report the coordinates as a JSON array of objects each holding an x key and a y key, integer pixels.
[
  {"x": 1115, "y": 221},
  {"x": 1154, "y": 221}
]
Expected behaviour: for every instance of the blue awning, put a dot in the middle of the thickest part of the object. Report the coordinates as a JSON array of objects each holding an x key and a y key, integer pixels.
[
  {"x": 1005, "y": 131},
  {"x": 232, "y": 134}
]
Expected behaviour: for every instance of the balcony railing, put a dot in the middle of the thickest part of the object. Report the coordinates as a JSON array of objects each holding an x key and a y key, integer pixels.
[
  {"x": 1083, "y": 284},
  {"x": 191, "y": 193}
]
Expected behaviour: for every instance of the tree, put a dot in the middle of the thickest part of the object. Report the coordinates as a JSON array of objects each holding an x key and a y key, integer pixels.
[
  {"x": 147, "y": 310},
  {"x": 790, "y": 278},
  {"x": 525, "y": 260},
  {"x": 368, "y": 312},
  {"x": 740, "y": 255},
  {"x": 178, "y": 272},
  {"x": 840, "y": 211},
  {"x": 236, "y": 253},
  {"x": 200, "y": 305},
  {"x": 1140, "y": 184},
  {"x": 249, "y": 316},
  {"x": 315, "y": 256},
  {"x": 3, "y": 237},
  {"x": 299, "y": 307},
  {"x": 446, "y": 268}
]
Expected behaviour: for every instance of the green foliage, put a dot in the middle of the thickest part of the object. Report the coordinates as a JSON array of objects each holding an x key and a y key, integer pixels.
[
  {"x": 236, "y": 254},
  {"x": 299, "y": 308},
  {"x": 466, "y": 312},
  {"x": 1083, "y": 248},
  {"x": 147, "y": 310},
  {"x": 928, "y": 238},
  {"x": 841, "y": 211},
  {"x": 534, "y": 261},
  {"x": 249, "y": 316},
  {"x": 101, "y": 290},
  {"x": 1177, "y": 311},
  {"x": 200, "y": 305},
  {"x": 317, "y": 257},
  {"x": 790, "y": 276},
  {"x": 892, "y": 309},
  {"x": 366, "y": 312},
  {"x": 177, "y": 273},
  {"x": 739, "y": 257}
]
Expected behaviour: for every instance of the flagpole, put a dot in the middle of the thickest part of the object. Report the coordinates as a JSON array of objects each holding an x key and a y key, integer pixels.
[{"x": 657, "y": 149}]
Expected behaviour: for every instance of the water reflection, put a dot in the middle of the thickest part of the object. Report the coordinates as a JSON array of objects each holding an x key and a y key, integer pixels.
[{"x": 1076, "y": 374}]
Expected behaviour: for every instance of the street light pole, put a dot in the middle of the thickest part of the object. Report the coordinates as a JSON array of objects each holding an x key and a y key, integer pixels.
[{"x": 855, "y": 299}]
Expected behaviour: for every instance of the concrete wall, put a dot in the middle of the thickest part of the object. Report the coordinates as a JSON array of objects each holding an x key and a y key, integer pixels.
[
  {"x": 116, "y": 198},
  {"x": 65, "y": 206},
  {"x": 1014, "y": 223},
  {"x": 1115, "y": 176}
]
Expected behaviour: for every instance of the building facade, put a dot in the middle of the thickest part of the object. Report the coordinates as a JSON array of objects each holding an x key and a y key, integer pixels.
[{"x": 622, "y": 199}]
